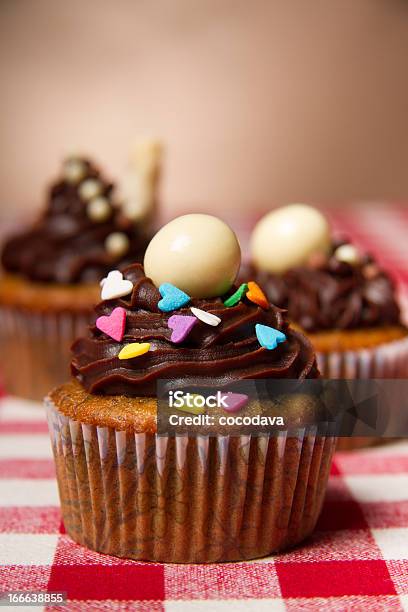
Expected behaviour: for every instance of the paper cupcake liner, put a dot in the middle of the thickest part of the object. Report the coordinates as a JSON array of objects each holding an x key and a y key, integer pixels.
[
  {"x": 36, "y": 349},
  {"x": 188, "y": 499},
  {"x": 385, "y": 361}
]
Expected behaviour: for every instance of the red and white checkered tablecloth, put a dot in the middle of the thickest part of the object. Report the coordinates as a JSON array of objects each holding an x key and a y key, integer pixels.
[{"x": 356, "y": 560}]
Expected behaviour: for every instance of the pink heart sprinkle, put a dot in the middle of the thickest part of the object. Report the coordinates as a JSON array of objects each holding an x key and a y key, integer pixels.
[
  {"x": 113, "y": 325},
  {"x": 235, "y": 401},
  {"x": 181, "y": 326}
]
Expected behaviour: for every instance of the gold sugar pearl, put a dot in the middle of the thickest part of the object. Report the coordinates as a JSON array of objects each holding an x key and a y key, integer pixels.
[
  {"x": 99, "y": 209},
  {"x": 90, "y": 189},
  {"x": 348, "y": 254},
  {"x": 74, "y": 170},
  {"x": 117, "y": 244}
]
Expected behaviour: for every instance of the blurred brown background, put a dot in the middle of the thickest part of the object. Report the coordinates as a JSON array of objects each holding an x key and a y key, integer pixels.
[{"x": 258, "y": 102}]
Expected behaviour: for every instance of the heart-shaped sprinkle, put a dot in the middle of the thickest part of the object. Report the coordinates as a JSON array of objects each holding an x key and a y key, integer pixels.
[
  {"x": 192, "y": 409},
  {"x": 135, "y": 349},
  {"x": 181, "y": 326},
  {"x": 206, "y": 317},
  {"x": 173, "y": 298},
  {"x": 256, "y": 295},
  {"x": 113, "y": 325},
  {"x": 269, "y": 337},
  {"x": 235, "y": 402},
  {"x": 237, "y": 296},
  {"x": 113, "y": 274},
  {"x": 115, "y": 286}
]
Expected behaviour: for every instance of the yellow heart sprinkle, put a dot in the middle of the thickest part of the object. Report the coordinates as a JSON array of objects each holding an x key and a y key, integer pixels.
[
  {"x": 192, "y": 409},
  {"x": 135, "y": 349}
]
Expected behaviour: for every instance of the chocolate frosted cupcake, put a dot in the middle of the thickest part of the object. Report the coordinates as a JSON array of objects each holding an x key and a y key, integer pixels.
[
  {"x": 128, "y": 491},
  {"x": 339, "y": 297},
  {"x": 52, "y": 272}
]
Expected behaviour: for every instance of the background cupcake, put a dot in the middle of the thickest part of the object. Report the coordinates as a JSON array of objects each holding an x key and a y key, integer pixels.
[
  {"x": 128, "y": 492},
  {"x": 338, "y": 296},
  {"x": 51, "y": 273}
]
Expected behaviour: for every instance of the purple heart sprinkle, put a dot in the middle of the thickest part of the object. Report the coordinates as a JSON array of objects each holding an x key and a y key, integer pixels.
[{"x": 181, "y": 326}]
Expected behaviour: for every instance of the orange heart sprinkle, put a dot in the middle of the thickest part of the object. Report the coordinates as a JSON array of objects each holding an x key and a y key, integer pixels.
[{"x": 256, "y": 295}]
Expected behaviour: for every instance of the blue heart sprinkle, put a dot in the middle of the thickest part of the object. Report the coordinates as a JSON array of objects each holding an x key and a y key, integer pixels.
[
  {"x": 269, "y": 337},
  {"x": 173, "y": 298}
]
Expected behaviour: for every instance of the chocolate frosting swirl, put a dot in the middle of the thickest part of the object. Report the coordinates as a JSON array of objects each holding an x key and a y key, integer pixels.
[
  {"x": 226, "y": 353},
  {"x": 331, "y": 294},
  {"x": 66, "y": 245}
]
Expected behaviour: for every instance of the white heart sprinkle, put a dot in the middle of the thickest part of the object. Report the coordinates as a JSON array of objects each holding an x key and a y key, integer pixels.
[
  {"x": 206, "y": 317},
  {"x": 115, "y": 286},
  {"x": 113, "y": 274}
]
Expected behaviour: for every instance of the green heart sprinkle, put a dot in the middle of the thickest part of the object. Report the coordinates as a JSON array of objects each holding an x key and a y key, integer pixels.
[{"x": 237, "y": 296}]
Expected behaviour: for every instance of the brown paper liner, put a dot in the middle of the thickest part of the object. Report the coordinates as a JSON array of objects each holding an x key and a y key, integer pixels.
[
  {"x": 385, "y": 361},
  {"x": 187, "y": 499},
  {"x": 36, "y": 349}
]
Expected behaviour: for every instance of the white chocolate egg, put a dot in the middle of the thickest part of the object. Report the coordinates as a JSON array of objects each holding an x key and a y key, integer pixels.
[
  {"x": 197, "y": 253},
  {"x": 117, "y": 244},
  {"x": 99, "y": 209},
  {"x": 74, "y": 170},
  {"x": 89, "y": 189},
  {"x": 287, "y": 237},
  {"x": 348, "y": 254}
]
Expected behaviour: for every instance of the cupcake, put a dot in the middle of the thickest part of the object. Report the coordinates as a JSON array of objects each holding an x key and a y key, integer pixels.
[
  {"x": 131, "y": 491},
  {"x": 51, "y": 275},
  {"x": 338, "y": 296}
]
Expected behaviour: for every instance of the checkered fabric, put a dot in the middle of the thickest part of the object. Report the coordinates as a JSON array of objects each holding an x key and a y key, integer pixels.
[{"x": 356, "y": 560}]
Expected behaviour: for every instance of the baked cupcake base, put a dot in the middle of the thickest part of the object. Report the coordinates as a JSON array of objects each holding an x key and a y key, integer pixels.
[
  {"x": 38, "y": 324},
  {"x": 181, "y": 499}
]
